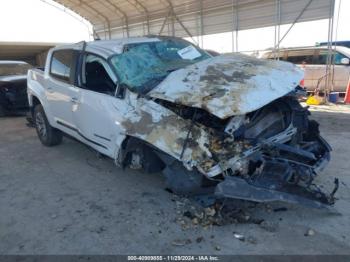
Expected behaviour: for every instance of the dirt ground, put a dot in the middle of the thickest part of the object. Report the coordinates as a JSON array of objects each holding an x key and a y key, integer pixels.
[{"x": 66, "y": 200}]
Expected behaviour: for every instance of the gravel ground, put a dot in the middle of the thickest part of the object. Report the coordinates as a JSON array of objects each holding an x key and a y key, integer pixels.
[{"x": 67, "y": 200}]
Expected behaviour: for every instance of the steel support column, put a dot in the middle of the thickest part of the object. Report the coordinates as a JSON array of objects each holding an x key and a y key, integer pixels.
[
  {"x": 329, "y": 81},
  {"x": 120, "y": 11},
  {"x": 277, "y": 33}
]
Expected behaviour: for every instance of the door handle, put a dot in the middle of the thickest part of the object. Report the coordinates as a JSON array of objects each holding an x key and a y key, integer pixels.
[{"x": 74, "y": 100}]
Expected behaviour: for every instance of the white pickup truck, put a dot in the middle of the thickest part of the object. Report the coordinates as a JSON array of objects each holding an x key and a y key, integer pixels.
[{"x": 229, "y": 125}]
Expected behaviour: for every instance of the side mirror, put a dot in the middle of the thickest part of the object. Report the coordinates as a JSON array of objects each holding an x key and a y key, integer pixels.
[
  {"x": 345, "y": 61},
  {"x": 120, "y": 90}
]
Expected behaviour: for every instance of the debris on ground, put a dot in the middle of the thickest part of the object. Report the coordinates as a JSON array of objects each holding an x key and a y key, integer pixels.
[
  {"x": 309, "y": 232},
  {"x": 63, "y": 228},
  {"x": 252, "y": 240},
  {"x": 269, "y": 226},
  {"x": 181, "y": 242},
  {"x": 195, "y": 221},
  {"x": 210, "y": 211},
  {"x": 60, "y": 229},
  {"x": 199, "y": 239},
  {"x": 190, "y": 214},
  {"x": 268, "y": 208},
  {"x": 239, "y": 236}
]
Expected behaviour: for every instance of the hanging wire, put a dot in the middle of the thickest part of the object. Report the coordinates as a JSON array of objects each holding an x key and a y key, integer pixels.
[
  {"x": 337, "y": 24},
  {"x": 336, "y": 34},
  {"x": 330, "y": 60}
]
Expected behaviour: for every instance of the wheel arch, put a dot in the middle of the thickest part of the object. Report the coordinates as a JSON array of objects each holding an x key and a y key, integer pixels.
[
  {"x": 153, "y": 159},
  {"x": 33, "y": 102},
  {"x": 35, "y": 99}
]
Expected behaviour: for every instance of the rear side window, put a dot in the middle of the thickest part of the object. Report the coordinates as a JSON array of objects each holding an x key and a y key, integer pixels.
[
  {"x": 321, "y": 58},
  {"x": 300, "y": 56},
  {"x": 63, "y": 64}
]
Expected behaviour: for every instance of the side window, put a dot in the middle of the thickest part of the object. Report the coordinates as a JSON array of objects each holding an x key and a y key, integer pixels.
[
  {"x": 97, "y": 75},
  {"x": 321, "y": 58},
  {"x": 300, "y": 57},
  {"x": 63, "y": 65},
  {"x": 338, "y": 57},
  {"x": 272, "y": 55}
]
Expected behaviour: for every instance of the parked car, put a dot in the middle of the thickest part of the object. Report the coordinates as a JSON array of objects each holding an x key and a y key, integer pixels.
[
  {"x": 314, "y": 60},
  {"x": 229, "y": 125},
  {"x": 13, "y": 87}
]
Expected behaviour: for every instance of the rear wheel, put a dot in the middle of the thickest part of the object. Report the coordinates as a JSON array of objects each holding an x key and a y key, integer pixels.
[{"x": 48, "y": 135}]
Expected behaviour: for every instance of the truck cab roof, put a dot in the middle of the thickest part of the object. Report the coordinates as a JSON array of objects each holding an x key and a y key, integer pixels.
[{"x": 106, "y": 48}]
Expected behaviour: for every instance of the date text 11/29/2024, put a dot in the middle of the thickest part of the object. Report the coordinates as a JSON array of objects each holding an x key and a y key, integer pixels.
[{"x": 173, "y": 258}]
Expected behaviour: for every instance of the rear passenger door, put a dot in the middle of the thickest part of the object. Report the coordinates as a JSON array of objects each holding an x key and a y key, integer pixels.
[{"x": 61, "y": 90}]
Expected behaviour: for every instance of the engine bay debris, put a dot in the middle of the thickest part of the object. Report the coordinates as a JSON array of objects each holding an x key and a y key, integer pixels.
[{"x": 230, "y": 126}]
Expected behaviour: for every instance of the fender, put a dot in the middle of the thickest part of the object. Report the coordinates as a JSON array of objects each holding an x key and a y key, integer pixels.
[
  {"x": 35, "y": 88},
  {"x": 178, "y": 137}
]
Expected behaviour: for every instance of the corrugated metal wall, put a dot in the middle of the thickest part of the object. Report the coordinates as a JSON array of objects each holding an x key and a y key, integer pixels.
[{"x": 121, "y": 18}]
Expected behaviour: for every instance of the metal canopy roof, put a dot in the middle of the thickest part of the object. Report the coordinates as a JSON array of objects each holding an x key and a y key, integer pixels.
[
  {"x": 33, "y": 53},
  {"x": 118, "y": 18}
]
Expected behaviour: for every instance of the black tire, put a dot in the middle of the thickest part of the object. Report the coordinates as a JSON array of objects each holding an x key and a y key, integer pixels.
[
  {"x": 184, "y": 182},
  {"x": 2, "y": 111},
  {"x": 48, "y": 135}
]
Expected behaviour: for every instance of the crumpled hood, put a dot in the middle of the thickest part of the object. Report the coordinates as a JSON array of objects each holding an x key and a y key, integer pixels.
[{"x": 227, "y": 85}]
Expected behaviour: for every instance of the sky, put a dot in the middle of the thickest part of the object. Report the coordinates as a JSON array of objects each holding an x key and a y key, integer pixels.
[{"x": 39, "y": 21}]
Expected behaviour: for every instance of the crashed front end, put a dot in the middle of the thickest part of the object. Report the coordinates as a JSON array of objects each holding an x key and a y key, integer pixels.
[
  {"x": 271, "y": 154},
  {"x": 232, "y": 126},
  {"x": 281, "y": 156}
]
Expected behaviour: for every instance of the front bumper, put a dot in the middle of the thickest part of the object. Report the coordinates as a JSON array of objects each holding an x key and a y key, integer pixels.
[
  {"x": 237, "y": 188},
  {"x": 282, "y": 179}
]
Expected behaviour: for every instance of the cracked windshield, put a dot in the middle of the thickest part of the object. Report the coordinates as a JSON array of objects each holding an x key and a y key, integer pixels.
[{"x": 142, "y": 66}]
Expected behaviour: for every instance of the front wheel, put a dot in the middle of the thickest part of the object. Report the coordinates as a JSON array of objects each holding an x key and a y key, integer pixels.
[{"x": 48, "y": 135}]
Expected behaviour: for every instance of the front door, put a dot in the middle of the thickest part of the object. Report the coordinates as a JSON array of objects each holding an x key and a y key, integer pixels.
[{"x": 95, "y": 111}]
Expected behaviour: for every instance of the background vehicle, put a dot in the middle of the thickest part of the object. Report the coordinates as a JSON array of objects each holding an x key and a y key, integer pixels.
[
  {"x": 229, "y": 125},
  {"x": 13, "y": 86},
  {"x": 336, "y": 43},
  {"x": 314, "y": 61}
]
